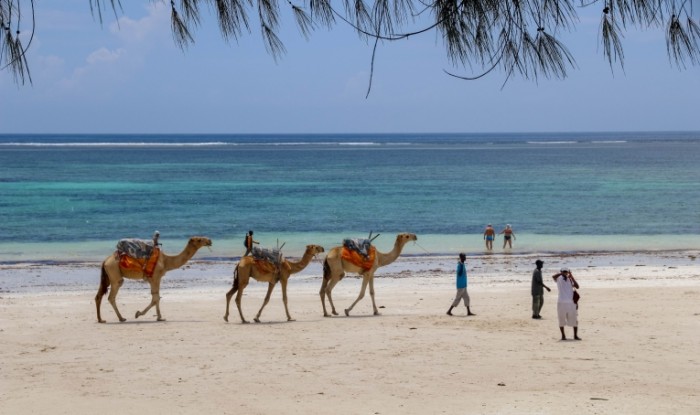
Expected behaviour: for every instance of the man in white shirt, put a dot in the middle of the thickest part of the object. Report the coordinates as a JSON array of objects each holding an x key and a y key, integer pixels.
[{"x": 566, "y": 308}]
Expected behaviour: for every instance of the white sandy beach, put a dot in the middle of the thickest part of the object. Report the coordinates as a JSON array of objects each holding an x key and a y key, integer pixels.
[{"x": 639, "y": 320}]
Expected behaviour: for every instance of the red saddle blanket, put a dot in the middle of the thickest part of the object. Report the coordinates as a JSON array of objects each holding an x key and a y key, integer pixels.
[
  {"x": 145, "y": 265},
  {"x": 358, "y": 259}
]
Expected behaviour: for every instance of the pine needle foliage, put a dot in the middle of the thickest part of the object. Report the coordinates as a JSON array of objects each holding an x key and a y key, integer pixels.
[{"x": 516, "y": 37}]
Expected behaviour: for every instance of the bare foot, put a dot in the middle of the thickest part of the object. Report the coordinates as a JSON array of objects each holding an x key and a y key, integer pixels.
[
  {"x": 577, "y": 338},
  {"x": 471, "y": 314}
]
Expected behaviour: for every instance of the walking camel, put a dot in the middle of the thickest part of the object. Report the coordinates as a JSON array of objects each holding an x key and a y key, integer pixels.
[
  {"x": 113, "y": 275},
  {"x": 247, "y": 269},
  {"x": 335, "y": 267}
]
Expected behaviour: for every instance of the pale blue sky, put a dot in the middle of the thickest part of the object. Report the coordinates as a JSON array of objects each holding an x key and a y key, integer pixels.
[{"x": 90, "y": 78}]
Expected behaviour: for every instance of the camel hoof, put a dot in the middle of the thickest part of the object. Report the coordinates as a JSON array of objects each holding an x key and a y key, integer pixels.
[
  {"x": 376, "y": 313},
  {"x": 245, "y": 322},
  {"x": 138, "y": 314},
  {"x": 257, "y": 320},
  {"x": 335, "y": 313},
  {"x": 347, "y": 313},
  {"x": 160, "y": 319},
  {"x": 122, "y": 319},
  {"x": 226, "y": 319},
  {"x": 101, "y": 321},
  {"x": 326, "y": 315},
  {"x": 290, "y": 319}
]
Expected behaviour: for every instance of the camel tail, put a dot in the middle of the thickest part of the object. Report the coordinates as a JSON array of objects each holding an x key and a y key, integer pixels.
[
  {"x": 326, "y": 270},
  {"x": 104, "y": 281},
  {"x": 235, "y": 278}
]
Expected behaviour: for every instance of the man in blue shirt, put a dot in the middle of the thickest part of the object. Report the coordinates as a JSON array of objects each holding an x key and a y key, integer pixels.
[{"x": 461, "y": 286}]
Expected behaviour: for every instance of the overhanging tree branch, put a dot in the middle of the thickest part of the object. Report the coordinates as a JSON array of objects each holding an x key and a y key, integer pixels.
[{"x": 519, "y": 37}]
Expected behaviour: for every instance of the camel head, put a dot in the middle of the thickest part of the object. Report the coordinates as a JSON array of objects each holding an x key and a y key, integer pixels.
[
  {"x": 314, "y": 249},
  {"x": 403, "y": 238},
  {"x": 199, "y": 241}
]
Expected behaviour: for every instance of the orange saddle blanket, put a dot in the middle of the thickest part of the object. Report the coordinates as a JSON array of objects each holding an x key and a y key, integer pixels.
[
  {"x": 145, "y": 265},
  {"x": 265, "y": 267},
  {"x": 358, "y": 259}
]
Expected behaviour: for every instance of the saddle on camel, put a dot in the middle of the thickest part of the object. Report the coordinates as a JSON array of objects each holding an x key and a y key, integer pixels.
[
  {"x": 139, "y": 255},
  {"x": 360, "y": 252},
  {"x": 267, "y": 261}
]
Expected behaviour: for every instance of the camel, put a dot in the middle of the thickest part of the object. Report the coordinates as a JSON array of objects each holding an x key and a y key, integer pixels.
[
  {"x": 335, "y": 267},
  {"x": 113, "y": 275},
  {"x": 246, "y": 269}
]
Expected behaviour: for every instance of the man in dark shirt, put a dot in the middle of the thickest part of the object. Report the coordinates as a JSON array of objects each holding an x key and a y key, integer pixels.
[
  {"x": 537, "y": 291},
  {"x": 249, "y": 241}
]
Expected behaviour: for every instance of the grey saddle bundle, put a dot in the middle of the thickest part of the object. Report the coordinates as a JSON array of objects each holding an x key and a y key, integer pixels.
[
  {"x": 360, "y": 245},
  {"x": 135, "y": 248},
  {"x": 273, "y": 256}
]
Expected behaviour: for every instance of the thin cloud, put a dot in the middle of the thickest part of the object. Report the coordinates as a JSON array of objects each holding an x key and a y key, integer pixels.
[
  {"x": 149, "y": 28},
  {"x": 105, "y": 55}
]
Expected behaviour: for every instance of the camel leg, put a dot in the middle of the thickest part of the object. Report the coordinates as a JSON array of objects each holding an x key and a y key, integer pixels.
[
  {"x": 284, "y": 299},
  {"x": 230, "y": 294},
  {"x": 238, "y": 303},
  {"x": 371, "y": 294},
  {"x": 359, "y": 297},
  {"x": 98, "y": 301},
  {"x": 101, "y": 291},
  {"x": 153, "y": 302},
  {"x": 331, "y": 285},
  {"x": 112, "y": 298},
  {"x": 155, "y": 299},
  {"x": 322, "y": 293},
  {"x": 270, "y": 287}
]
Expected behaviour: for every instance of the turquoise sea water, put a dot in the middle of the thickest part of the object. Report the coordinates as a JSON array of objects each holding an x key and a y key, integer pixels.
[{"x": 71, "y": 197}]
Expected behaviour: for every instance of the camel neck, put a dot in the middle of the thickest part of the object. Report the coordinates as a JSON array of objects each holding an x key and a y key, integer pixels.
[
  {"x": 173, "y": 262},
  {"x": 301, "y": 264},
  {"x": 389, "y": 257}
]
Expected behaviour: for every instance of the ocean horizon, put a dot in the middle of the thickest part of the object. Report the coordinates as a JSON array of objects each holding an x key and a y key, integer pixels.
[{"x": 71, "y": 197}]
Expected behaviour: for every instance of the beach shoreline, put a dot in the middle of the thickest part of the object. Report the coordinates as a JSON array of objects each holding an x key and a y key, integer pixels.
[{"x": 600, "y": 267}]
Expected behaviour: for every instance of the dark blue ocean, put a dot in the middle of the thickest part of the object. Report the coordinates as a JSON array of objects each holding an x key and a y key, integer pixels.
[{"x": 74, "y": 196}]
